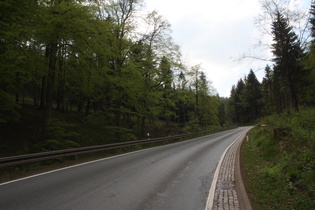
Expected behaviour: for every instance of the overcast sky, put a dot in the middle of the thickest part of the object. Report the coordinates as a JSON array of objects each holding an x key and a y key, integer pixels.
[{"x": 215, "y": 34}]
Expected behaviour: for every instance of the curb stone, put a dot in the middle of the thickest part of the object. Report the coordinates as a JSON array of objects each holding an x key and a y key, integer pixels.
[{"x": 227, "y": 190}]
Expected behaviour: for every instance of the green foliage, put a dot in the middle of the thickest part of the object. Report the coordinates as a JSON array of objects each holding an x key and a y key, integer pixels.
[
  {"x": 58, "y": 137},
  {"x": 98, "y": 120},
  {"x": 57, "y": 130},
  {"x": 70, "y": 55},
  {"x": 280, "y": 172},
  {"x": 272, "y": 173},
  {"x": 100, "y": 129}
]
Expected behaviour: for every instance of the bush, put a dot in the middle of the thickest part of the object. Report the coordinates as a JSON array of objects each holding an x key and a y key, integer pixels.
[{"x": 58, "y": 137}]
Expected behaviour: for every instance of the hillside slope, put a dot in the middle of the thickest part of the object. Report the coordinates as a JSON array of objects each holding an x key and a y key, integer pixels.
[{"x": 279, "y": 162}]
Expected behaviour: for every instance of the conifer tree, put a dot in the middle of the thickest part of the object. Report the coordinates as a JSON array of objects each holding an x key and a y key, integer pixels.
[
  {"x": 231, "y": 107},
  {"x": 287, "y": 55},
  {"x": 309, "y": 64},
  {"x": 238, "y": 101},
  {"x": 252, "y": 98},
  {"x": 267, "y": 92}
]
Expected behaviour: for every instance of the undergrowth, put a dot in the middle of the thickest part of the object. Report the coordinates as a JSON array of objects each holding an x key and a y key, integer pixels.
[{"x": 279, "y": 162}]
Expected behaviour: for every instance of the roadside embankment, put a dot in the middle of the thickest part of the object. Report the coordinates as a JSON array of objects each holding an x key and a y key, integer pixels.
[{"x": 278, "y": 162}]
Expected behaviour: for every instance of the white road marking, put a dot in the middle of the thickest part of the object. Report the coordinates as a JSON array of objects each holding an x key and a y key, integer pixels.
[{"x": 68, "y": 167}]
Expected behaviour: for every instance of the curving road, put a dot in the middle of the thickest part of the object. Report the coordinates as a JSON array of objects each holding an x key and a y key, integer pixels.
[{"x": 175, "y": 176}]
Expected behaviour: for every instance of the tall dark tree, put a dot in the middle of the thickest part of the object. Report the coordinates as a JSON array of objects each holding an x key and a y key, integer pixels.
[
  {"x": 287, "y": 53},
  {"x": 222, "y": 111},
  {"x": 208, "y": 105},
  {"x": 167, "y": 103},
  {"x": 267, "y": 92},
  {"x": 238, "y": 101},
  {"x": 309, "y": 64},
  {"x": 231, "y": 107},
  {"x": 245, "y": 104},
  {"x": 252, "y": 98}
]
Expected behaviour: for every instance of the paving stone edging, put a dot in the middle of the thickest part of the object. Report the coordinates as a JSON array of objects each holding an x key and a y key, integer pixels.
[{"x": 227, "y": 190}]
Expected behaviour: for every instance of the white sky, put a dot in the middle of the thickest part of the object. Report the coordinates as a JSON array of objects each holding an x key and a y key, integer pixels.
[{"x": 215, "y": 34}]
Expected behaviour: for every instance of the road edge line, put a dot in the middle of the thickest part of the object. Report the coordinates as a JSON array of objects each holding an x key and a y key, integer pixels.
[
  {"x": 69, "y": 167},
  {"x": 81, "y": 164}
]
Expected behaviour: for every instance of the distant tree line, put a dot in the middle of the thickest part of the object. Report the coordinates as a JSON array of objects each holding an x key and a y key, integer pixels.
[
  {"x": 287, "y": 85},
  {"x": 99, "y": 56}
]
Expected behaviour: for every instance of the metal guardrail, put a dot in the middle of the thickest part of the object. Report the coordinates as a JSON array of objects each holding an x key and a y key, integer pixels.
[{"x": 36, "y": 157}]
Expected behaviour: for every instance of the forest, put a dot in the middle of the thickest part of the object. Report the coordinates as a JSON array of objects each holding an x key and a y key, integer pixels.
[
  {"x": 84, "y": 72},
  {"x": 289, "y": 84}
]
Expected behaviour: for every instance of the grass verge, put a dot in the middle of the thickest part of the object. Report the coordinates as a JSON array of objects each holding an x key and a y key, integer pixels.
[{"x": 279, "y": 162}]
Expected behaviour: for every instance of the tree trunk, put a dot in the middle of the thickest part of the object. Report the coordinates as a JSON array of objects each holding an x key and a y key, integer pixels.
[
  {"x": 52, "y": 55},
  {"x": 42, "y": 93},
  {"x": 117, "y": 119},
  {"x": 18, "y": 87},
  {"x": 293, "y": 96},
  {"x": 87, "y": 107},
  {"x": 142, "y": 129}
]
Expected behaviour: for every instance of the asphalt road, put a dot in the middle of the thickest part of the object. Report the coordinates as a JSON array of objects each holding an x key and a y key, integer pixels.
[{"x": 175, "y": 176}]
